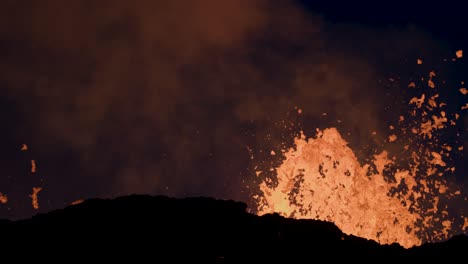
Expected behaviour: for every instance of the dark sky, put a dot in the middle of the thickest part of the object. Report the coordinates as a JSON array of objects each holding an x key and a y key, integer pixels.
[{"x": 115, "y": 97}]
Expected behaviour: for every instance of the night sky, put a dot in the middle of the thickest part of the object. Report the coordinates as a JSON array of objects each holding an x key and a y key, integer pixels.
[{"x": 116, "y": 97}]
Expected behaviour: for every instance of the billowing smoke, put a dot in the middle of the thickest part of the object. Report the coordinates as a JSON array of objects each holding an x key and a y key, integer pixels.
[{"x": 118, "y": 97}]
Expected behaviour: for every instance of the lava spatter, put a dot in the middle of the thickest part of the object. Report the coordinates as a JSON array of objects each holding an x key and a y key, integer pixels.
[{"x": 395, "y": 197}]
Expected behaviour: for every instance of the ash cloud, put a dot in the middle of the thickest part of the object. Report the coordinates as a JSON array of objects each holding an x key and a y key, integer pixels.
[{"x": 163, "y": 96}]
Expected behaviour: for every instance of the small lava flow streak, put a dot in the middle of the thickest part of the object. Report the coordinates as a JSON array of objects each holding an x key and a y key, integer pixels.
[
  {"x": 77, "y": 202},
  {"x": 383, "y": 200}
]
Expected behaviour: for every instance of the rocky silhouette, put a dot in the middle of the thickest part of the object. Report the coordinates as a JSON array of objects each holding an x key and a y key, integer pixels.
[{"x": 153, "y": 228}]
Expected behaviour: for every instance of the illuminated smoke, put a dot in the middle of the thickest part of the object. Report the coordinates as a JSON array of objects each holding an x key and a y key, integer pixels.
[{"x": 119, "y": 97}]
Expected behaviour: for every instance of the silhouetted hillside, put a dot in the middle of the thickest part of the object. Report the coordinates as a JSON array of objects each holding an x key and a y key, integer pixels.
[{"x": 153, "y": 228}]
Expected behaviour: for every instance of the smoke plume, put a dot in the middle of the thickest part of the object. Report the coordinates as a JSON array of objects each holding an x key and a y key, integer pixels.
[{"x": 120, "y": 97}]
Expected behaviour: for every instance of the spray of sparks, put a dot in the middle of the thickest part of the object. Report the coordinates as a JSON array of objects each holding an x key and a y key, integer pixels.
[
  {"x": 35, "y": 190},
  {"x": 321, "y": 178}
]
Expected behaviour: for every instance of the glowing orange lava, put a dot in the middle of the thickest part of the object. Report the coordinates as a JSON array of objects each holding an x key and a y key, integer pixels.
[
  {"x": 322, "y": 179},
  {"x": 24, "y": 147},
  {"x": 34, "y": 198},
  {"x": 33, "y": 166},
  {"x": 383, "y": 200}
]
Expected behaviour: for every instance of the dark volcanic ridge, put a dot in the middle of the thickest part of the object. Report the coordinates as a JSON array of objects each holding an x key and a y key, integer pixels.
[{"x": 199, "y": 228}]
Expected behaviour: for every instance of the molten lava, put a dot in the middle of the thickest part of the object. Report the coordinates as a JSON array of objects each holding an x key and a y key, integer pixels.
[
  {"x": 395, "y": 197},
  {"x": 322, "y": 179},
  {"x": 24, "y": 147},
  {"x": 34, "y": 198},
  {"x": 33, "y": 166}
]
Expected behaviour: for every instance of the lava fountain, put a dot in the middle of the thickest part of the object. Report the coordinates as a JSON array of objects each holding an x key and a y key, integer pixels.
[{"x": 385, "y": 200}]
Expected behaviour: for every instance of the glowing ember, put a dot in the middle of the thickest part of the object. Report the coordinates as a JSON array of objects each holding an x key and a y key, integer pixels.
[
  {"x": 34, "y": 200},
  {"x": 464, "y": 91},
  {"x": 24, "y": 147},
  {"x": 430, "y": 83},
  {"x": 250, "y": 152},
  {"x": 419, "y": 61},
  {"x": 33, "y": 166},
  {"x": 394, "y": 197},
  {"x": 459, "y": 53},
  {"x": 418, "y": 101},
  {"x": 3, "y": 198}
]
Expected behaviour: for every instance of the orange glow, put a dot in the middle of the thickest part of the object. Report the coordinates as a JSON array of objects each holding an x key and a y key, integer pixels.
[
  {"x": 464, "y": 91},
  {"x": 24, "y": 147},
  {"x": 419, "y": 61},
  {"x": 335, "y": 187},
  {"x": 77, "y": 202},
  {"x": 34, "y": 198},
  {"x": 321, "y": 178},
  {"x": 430, "y": 83},
  {"x": 33, "y": 166},
  {"x": 3, "y": 198},
  {"x": 418, "y": 101},
  {"x": 459, "y": 53}
]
